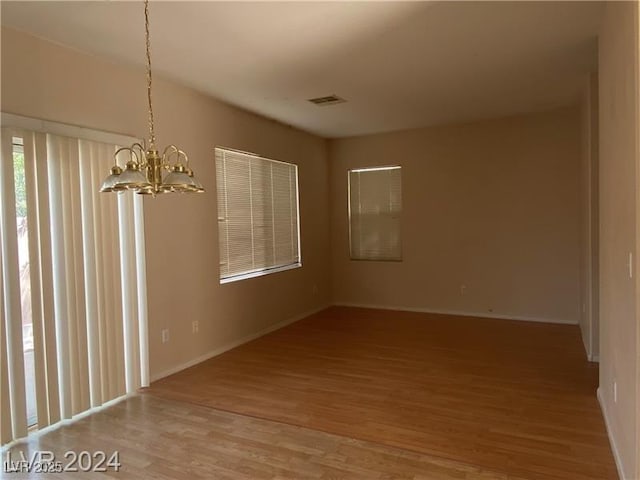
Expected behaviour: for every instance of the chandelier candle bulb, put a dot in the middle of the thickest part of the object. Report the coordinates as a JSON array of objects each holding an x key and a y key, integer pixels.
[{"x": 143, "y": 172}]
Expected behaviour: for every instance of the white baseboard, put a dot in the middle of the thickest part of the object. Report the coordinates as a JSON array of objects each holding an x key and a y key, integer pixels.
[
  {"x": 612, "y": 440},
  {"x": 459, "y": 313},
  {"x": 234, "y": 344},
  {"x": 594, "y": 358}
]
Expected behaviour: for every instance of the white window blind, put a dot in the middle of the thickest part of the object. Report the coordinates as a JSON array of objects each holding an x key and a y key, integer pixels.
[
  {"x": 375, "y": 206},
  {"x": 72, "y": 282},
  {"x": 257, "y": 215}
]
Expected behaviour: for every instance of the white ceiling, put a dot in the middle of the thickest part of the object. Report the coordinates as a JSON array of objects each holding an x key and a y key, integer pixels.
[{"x": 399, "y": 64}]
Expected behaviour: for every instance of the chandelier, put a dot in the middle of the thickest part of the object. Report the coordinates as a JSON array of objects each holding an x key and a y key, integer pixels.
[{"x": 147, "y": 172}]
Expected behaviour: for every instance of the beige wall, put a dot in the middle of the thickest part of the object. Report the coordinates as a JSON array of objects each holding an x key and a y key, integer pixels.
[
  {"x": 493, "y": 206},
  {"x": 589, "y": 262},
  {"x": 637, "y": 265},
  {"x": 43, "y": 80},
  {"x": 619, "y": 164}
]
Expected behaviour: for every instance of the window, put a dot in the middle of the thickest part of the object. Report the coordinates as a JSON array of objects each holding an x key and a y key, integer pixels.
[
  {"x": 257, "y": 215},
  {"x": 375, "y": 205},
  {"x": 25, "y": 278},
  {"x": 72, "y": 277}
]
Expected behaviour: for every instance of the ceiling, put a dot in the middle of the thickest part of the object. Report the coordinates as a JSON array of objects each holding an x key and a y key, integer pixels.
[{"x": 398, "y": 64}]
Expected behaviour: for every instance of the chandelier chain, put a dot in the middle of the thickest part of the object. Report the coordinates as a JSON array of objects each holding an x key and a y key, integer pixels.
[
  {"x": 152, "y": 135},
  {"x": 148, "y": 172}
]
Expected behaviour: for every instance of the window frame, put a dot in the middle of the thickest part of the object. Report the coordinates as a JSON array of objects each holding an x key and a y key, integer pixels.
[
  {"x": 266, "y": 270},
  {"x": 350, "y": 213}
]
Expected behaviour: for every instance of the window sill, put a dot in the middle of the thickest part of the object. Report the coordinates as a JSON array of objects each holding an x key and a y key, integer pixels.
[{"x": 260, "y": 273}]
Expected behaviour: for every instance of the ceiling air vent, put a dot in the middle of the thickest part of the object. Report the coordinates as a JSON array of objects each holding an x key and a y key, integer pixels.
[{"x": 329, "y": 100}]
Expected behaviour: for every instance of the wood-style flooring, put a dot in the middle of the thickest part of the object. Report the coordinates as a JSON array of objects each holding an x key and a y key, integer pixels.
[
  {"x": 160, "y": 439},
  {"x": 511, "y": 398}
]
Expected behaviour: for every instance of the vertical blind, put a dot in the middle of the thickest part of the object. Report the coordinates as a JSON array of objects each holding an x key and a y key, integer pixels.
[
  {"x": 84, "y": 291},
  {"x": 375, "y": 205},
  {"x": 257, "y": 213}
]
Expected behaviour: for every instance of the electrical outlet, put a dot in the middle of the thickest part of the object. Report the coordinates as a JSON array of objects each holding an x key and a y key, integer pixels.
[
  {"x": 194, "y": 326},
  {"x": 463, "y": 289},
  {"x": 315, "y": 289},
  {"x": 165, "y": 335},
  {"x": 615, "y": 392}
]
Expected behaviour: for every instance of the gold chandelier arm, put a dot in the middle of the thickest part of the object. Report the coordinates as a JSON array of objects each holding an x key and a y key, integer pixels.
[
  {"x": 166, "y": 156},
  {"x": 142, "y": 158},
  {"x": 131, "y": 151},
  {"x": 170, "y": 151},
  {"x": 152, "y": 135}
]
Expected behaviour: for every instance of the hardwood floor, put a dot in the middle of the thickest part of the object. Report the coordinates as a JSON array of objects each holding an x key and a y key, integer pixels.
[
  {"x": 163, "y": 439},
  {"x": 362, "y": 394},
  {"x": 516, "y": 399}
]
